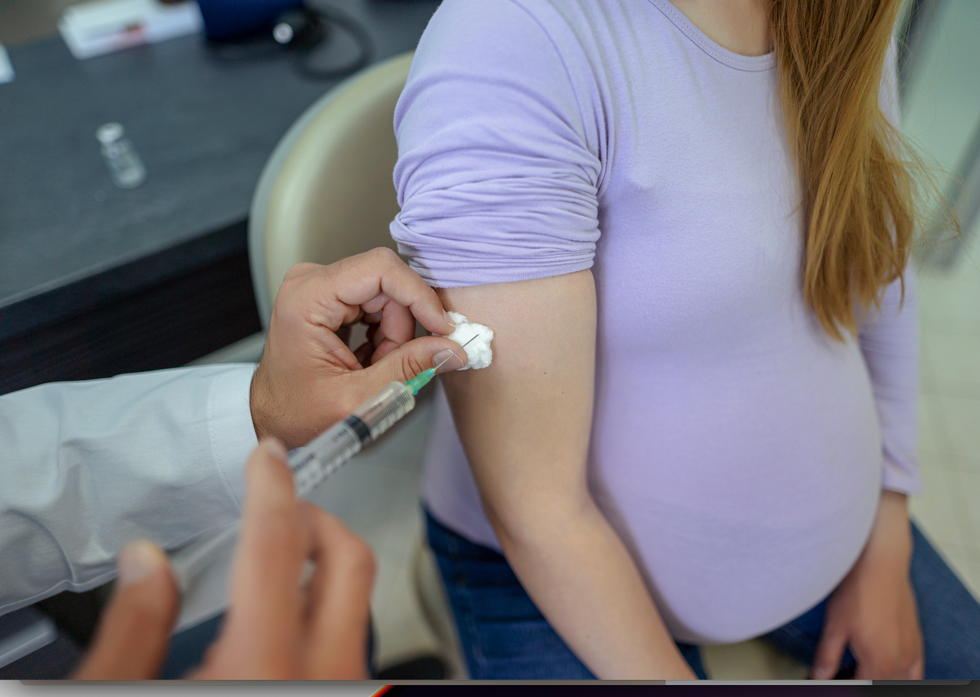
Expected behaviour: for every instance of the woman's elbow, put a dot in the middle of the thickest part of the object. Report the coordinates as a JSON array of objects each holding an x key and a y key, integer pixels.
[{"x": 537, "y": 521}]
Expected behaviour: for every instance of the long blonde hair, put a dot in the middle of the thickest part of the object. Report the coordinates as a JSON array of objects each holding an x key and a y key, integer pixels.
[{"x": 857, "y": 199}]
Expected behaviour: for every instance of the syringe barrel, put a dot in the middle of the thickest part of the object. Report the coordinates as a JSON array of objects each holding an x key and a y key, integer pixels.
[
  {"x": 315, "y": 461},
  {"x": 386, "y": 408}
]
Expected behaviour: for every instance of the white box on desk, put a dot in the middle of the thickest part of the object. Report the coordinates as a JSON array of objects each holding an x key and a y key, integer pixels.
[{"x": 103, "y": 26}]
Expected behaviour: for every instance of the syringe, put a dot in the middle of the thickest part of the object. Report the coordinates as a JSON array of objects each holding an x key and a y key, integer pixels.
[{"x": 316, "y": 461}]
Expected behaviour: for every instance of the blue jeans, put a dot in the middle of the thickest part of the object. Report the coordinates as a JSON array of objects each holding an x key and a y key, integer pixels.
[{"x": 504, "y": 636}]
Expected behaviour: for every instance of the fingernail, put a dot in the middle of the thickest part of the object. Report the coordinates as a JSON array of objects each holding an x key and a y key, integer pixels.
[
  {"x": 274, "y": 447},
  {"x": 137, "y": 561},
  {"x": 449, "y": 319},
  {"x": 454, "y": 363}
]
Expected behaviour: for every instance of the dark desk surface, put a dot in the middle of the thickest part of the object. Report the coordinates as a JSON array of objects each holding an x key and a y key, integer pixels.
[{"x": 72, "y": 244}]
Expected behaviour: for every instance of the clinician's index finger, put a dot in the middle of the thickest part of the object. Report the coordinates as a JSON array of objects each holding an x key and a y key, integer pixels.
[{"x": 380, "y": 272}]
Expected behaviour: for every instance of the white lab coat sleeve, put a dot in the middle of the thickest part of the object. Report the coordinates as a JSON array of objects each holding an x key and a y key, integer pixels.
[{"x": 86, "y": 467}]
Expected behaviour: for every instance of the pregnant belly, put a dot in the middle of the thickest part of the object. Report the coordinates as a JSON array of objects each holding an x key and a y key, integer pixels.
[{"x": 745, "y": 492}]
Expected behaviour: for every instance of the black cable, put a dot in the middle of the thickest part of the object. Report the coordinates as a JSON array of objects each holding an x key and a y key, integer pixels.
[
  {"x": 352, "y": 28},
  {"x": 263, "y": 48},
  {"x": 302, "y": 50}
]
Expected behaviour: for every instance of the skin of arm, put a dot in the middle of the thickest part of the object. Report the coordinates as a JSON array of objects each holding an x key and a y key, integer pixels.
[{"x": 525, "y": 424}]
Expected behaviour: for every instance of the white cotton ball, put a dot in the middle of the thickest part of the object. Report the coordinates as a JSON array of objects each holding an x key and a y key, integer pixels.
[{"x": 478, "y": 351}]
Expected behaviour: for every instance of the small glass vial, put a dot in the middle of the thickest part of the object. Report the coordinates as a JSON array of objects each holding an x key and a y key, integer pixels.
[{"x": 125, "y": 166}]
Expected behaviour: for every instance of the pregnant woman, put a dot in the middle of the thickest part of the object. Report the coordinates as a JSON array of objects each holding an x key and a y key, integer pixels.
[{"x": 689, "y": 226}]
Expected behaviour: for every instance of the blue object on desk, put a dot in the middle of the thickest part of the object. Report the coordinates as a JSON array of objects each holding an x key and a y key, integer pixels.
[{"x": 228, "y": 20}]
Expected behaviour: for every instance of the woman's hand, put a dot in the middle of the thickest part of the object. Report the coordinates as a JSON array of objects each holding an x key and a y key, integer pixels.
[{"x": 873, "y": 610}]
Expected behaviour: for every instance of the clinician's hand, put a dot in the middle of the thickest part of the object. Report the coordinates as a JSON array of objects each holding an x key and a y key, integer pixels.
[
  {"x": 873, "y": 610},
  {"x": 274, "y": 629},
  {"x": 308, "y": 378}
]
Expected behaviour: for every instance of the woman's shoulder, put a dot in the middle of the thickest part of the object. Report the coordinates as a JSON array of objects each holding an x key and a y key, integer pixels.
[
  {"x": 576, "y": 49},
  {"x": 573, "y": 29},
  {"x": 503, "y": 59},
  {"x": 500, "y": 28}
]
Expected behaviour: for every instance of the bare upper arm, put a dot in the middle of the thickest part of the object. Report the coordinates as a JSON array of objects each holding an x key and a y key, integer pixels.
[{"x": 525, "y": 421}]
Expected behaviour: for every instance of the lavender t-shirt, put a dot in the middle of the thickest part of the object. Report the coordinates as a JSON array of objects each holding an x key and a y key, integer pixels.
[{"x": 737, "y": 450}]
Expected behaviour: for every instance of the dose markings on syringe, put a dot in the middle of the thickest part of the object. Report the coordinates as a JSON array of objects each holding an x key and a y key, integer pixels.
[
  {"x": 311, "y": 467},
  {"x": 310, "y": 473}
]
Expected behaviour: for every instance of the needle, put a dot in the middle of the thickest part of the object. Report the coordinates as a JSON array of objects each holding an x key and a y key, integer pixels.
[{"x": 455, "y": 352}]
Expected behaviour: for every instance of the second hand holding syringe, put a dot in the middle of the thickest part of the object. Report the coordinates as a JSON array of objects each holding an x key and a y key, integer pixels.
[{"x": 316, "y": 461}]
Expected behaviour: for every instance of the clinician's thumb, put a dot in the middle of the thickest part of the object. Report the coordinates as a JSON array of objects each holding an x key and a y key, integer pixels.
[
  {"x": 134, "y": 631},
  {"x": 413, "y": 357}
]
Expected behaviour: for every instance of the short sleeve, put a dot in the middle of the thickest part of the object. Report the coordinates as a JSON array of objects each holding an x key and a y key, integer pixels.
[{"x": 496, "y": 177}]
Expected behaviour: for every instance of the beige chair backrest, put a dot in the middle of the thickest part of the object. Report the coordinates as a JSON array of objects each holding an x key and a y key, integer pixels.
[{"x": 327, "y": 192}]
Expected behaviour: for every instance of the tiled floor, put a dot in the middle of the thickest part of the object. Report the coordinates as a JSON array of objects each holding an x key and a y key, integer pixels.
[
  {"x": 949, "y": 413},
  {"x": 942, "y": 109}
]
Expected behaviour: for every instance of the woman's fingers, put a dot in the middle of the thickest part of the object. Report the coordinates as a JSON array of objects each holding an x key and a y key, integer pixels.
[
  {"x": 134, "y": 631},
  {"x": 826, "y": 663},
  {"x": 339, "y": 600}
]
